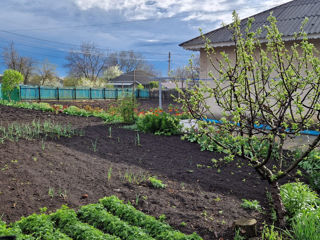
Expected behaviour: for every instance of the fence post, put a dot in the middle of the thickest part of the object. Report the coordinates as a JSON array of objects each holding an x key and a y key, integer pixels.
[
  {"x": 39, "y": 91},
  {"x": 90, "y": 93},
  {"x": 75, "y": 93},
  {"x": 104, "y": 93},
  {"x": 19, "y": 92},
  {"x": 160, "y": 94},
  {"x": 58, "y": 93},
  {"x": 138, "y": 93}
]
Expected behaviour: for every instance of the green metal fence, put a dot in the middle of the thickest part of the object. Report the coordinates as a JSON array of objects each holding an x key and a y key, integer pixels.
[{"x": 49, "y": 93}]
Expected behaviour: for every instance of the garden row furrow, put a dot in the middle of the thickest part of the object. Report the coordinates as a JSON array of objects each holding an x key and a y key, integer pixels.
[
  {"x": 152, "y": 226},
  {"x": 97, "y": 216},
  {"x": 66, "y": 220}
]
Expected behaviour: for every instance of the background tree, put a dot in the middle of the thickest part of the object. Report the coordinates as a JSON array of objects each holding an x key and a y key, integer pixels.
[
  {"x": 268, "y": 94},
  {"x": 187, "y": 74},
  {"x": 14, "y": 61},
  {"x": 47, "y": 73},
  {"x": 129, "y": 61},
  {"x": 111, "y": 72},
  {"x": 11, "y": 80},
  {"x": 89, "y": 62}
]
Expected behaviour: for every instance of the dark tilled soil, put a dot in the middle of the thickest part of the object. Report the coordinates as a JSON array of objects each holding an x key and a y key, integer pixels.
[{"x": 205, "y": 198}]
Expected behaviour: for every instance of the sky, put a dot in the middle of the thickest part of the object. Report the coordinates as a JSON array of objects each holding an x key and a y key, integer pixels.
[{"x": 49, "y": 29}]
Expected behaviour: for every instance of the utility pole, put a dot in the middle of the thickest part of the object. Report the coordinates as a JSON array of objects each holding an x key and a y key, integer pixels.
[{"x": 169, "y": 64}]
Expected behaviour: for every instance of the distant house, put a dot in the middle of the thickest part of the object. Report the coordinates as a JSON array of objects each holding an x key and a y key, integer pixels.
[
  {"x": 289, "y": 18},
  {"x": 136, "y": 77}
]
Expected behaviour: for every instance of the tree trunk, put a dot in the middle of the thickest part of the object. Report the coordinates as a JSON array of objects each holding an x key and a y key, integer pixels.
[{"x": 277, "y": 201}]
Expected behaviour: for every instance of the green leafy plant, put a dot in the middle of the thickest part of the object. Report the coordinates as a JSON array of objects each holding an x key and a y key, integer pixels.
[
  {"x": 248, "y": 204},
  {"x": 298, "y": 196},
  {"x": 127, "y": 108},
  {"x": 238, "y": 236},
  {"x": 269, "y": 233},
  {"x": 156, "y": 183},
  {"x": 66, "y": 220},
  {"x": 11, "y": 80},
  {"x": 159, "y": 122},
  {"x": 311, "y": 164},
  {"x": 40, "y": 227}
]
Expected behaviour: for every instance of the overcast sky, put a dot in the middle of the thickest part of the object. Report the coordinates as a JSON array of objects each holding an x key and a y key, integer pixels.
[{"x": 48, "y": 29}]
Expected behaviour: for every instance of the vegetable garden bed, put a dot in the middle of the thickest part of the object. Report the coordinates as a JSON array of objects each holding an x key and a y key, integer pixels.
[{"x": 109, "y": 160}]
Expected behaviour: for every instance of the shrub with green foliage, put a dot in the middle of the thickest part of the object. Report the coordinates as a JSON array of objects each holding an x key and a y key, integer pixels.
[
  {"x": 297, "y": 197},
  {"x": 302, "y": 205},
  {"x": 11, "y": 80},
  {"x": 127, "y": 107},
  {"x": 159, "y": 122},
  {"x": 154, "y": 84}
]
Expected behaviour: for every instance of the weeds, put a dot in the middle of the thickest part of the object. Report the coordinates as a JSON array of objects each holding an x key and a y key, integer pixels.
[
  {"x": 137, "y": 139},
  {"x": 131, "y": 177},
  {"x": 51, "y": 192},
  {"x": 110, "y": 132},
  {"x": 94, "y": 145},
  {"x": 156, "y": 183},
  {"x": 109, "y": 174},
  {"x": 254, "y": 204},
  {"x": 43, "y": 145}
]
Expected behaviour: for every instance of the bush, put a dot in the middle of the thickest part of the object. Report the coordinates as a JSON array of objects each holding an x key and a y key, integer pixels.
[
  {"x": 11, "y": 80},
  {"x": 154, "y": 84},
  {"x": 127, "y": 107},
  {"x": 159, "y": 122},
  {"x": 297, "y": 197}
]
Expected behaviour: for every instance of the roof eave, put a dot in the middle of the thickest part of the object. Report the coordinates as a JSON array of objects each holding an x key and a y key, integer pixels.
[{"x": 198, "y": 47}]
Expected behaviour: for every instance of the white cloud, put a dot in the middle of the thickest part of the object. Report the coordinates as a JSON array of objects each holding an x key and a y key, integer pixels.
[{"x": 201, "y": 10}]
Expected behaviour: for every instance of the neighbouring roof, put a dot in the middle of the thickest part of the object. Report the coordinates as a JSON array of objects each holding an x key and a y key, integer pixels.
[
  {"x": 138, "y": 76},
  {"x": 289, "y": 16}
]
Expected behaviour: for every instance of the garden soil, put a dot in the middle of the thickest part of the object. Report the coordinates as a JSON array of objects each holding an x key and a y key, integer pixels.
[{"x": 74, "y": 171}]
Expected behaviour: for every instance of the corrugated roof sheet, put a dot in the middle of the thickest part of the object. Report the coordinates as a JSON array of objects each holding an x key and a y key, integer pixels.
[{"x": 289, "y": 16}]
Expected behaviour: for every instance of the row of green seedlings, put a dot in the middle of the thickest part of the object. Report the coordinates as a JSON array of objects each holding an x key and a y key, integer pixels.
[
  {"x": 94, "y": 144},
  {"x": 111, "y": 219},
  {"x": 153, "y": 227},
  {"x": 36, "y": 130},
  {"x": 71, "y": 110}
]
